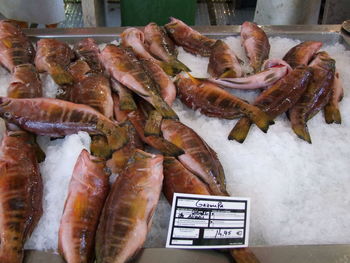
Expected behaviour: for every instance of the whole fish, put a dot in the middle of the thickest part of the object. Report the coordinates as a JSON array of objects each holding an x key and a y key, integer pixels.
[
  {"x": 128, "y": 211},
  {"x": 54, "y": 56},
  {"x": 199, "y": 158},
  {"x": 21, "y": 193},
  {"x": 25, "y": 82},
  {"x": 223, "y": 62},
  {"x": 121, "y": 157},
  {"x": 162, "y": 47},
  {"x": 331, "y": 110},
  {"x": 165, "y": 84},
  {"x": 177, "y": 179},
  {"x": 87, "y": 192},
  {"x": 301, "y": 54},
  {"x": 256, "y": 44},
  {"x": 316, "y": 95},
  {"x": 125, "y": 68},
  {"x": 92, "y": 89},
  {"x": 216, "y": 102},
  {"x": 52, "y": 117},
  {"x": 276, "y": 100},
  {"x": 191, "y": 40},
  {"x": 270, "y": 75},
  {"x": 88, "y": 50},
  {"x": 15, "y": 47}
]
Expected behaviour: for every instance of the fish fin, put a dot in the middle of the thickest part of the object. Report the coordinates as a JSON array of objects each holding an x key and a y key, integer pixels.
[
  {"x": 229, "y": 73},
  {"x": 196, "y": 81},
  {"x": 39, "y": 153},
  {"x": 243, "y": 255},
  {"x": 240, "y": 131},
  {"x": 302, "y": 132},
  {"x": 99, "y": 147},
  {"x": 127, "y": 103},
  {"x": 163, "y": 108},
  {"x": 177, "y": 64},
  {"x": 7, "y": 42},
  {"x": 261, "y": 119},
  {"x": 164, "y": 146},
  {"x": 332, "y": 114},
  {"x": 153, "y": 123},
  {"x": 61, "y": 76},
  {"x": 117, "y": 136}
]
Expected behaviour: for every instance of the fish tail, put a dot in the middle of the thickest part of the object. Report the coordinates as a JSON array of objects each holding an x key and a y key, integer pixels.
[
  {"x": 153, "y": 123},
  {"x": 174, "y": 67},
  {"x": 243, "y": 255},
  {"x": 229, "y": 73},
  {"x": 164, "y": 146},
  {"x": 163, "y": 108},
  {"x": 241, "y": 129},
  {"x": 61, "y": 76},
  {"x": 99, "y": 147},
  {"x": 261, "y": 119},
  {"x": 332, "y": 114},
  {"x": 117, "y": 136},
  {"x": 302, "y": 131}
]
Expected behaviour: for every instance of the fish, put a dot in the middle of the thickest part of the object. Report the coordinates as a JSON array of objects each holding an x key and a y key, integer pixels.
[
  {"x": 331, "y": 110},
  {"x": 223, "y": 62},
  {"x": 124, "y": 67},
  {"x": 92, "y": 89},
  {"x": 198, "y": 158},
  {"x": 55, "y": 118},
  {"x": 316, "y": 95},
  {"x": 191, "y": 40},
  {"x": 276, "y": 100},
  {"x": 15, "y": 47},
  {"x": 126, "y": 101},
  {"x": 87, "y": 192},
  {"x": 216, "y": 102},
  {"x": 25, "y": 82},
  {"x": 166, "y": 86},
  {"x": 302, "y": 53},
  {"x": 256, "y": 44},
  {"x": 87, "y": 50},
  {"x": 127, "y": 215},
  {"x": 162, "y": 47},
  {"x": 267, "y": 77},
  {"x": 54, "y": 56},
  {"x": 177, "y": 179},
  {"x": 21, "y": 194},
  {"x": 121, "y": 157}
]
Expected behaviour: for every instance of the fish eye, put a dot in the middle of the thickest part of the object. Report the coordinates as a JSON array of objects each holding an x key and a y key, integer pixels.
[
  {"x": 172, "y": 30},
  {"x": 60, "y": 91},
  {"x": 7, "y": 115}
]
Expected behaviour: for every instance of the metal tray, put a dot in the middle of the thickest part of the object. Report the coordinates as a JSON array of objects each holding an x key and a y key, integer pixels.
[{"x": 329, "y": 34}]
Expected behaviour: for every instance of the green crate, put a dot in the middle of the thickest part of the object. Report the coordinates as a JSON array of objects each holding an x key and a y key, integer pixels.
[{"x": 142, "y": 12}]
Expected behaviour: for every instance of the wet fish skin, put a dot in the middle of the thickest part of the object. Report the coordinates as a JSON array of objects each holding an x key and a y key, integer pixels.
[
  {"x": 52, "y": 117},
  {"x": 54, "y": 56},
  {"x": 21, "y": 193},
  {"x": 125, "y": 68},
  {"x": 223, "y": 62},
  {"x": 316, "y": 95},
  {"x": 301, "y": 54},
  {"x": 126, "y": 101},
  {"x": 15, "y": 47},
  {"x": 276, "y": 100},
  {"x": 191, "y": 40},
  {"x": 177, "y": 179},
  {"x": 87, "y": 50},
  {"x": 331, "y": 110},
  {"x": 198, "y": 158},
  {"x": 25, "y": 82},
  {"x": 214, "y": 101},
  {"x": 256, "y": 44},
  {"x": 128, "y": 211},
  {"x": 87, "y": 192}
]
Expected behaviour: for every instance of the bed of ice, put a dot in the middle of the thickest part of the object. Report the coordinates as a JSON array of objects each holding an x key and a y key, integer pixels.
[{"x": 299, "y": 192}]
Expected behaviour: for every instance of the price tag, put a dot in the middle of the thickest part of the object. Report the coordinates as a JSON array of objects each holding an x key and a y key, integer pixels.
[{"x": 203, "y": 221}]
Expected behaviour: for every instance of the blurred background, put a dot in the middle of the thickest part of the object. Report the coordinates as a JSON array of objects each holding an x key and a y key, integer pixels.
[{"x": 92, "y": 13}]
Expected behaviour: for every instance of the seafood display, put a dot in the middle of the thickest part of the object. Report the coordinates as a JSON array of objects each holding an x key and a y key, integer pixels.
[
  {"x": 21, "y": 192},
  {"x": 124, "y": 97},
  {"x": 87, "y": 192},
  {"x": 128, "y": 211}
]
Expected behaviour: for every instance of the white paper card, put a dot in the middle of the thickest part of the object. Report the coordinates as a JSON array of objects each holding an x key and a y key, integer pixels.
[{"x": 206, "y": 221}]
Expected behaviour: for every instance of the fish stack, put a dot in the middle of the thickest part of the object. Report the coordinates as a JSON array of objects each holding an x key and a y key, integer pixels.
[{"x": 123, "y": 96}]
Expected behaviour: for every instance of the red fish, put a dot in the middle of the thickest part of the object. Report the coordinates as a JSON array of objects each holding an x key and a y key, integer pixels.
[
  {"x": 128, "y": 211},
  {"x": 331, "y": 110},
  {"x": 21, "y": 192},
  {"x": 52, "y": 117},
  {"x": 87, "y": 193},
  {"x": 88, "y": 50},
  {"x": 301, "y": 54}
]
